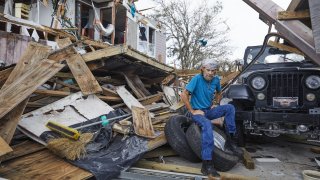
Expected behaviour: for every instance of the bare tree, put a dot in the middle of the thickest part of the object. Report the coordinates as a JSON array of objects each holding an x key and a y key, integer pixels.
[{"x": 193, "y": 32}]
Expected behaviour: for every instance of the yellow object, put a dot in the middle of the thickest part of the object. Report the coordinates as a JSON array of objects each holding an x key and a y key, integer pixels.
[{"x": 63, "y": 130}]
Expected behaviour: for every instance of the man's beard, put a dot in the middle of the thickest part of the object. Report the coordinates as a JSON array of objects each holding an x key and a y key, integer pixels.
[{"x": 207, "y": 77}]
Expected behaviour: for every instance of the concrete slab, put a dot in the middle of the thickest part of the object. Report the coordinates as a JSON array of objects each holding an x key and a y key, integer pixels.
[{"x": 293, "y": 157}]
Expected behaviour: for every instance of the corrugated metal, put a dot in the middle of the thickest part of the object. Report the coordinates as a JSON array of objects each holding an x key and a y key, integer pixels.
[
  {"x": 11, "y": 47},
  {"x": 132, "y": 32},
  {"x": 160, "y": 47}
]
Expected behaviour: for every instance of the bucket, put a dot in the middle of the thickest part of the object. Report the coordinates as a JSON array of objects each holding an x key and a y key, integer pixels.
[{"x": 311, "y": 175}]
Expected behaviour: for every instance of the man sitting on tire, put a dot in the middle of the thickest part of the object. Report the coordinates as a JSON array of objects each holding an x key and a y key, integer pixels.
[{"x": 202, "y": 89}]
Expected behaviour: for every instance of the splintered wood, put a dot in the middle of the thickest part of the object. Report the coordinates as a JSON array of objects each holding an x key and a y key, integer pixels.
[
  {"x": 142, "y": 123},
  {"x": 84, "y": 77},
  {"x": 141, "y": 117},
  {"x": 26, "y": 84},
  {"x": 31, "y": 57}
]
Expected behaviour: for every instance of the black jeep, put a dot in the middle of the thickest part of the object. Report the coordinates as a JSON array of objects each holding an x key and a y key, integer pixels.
[{"x": 278, "y": 94}]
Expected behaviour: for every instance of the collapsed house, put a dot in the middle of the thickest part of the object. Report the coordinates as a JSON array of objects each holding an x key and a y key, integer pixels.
[{"x": 43, "y": 79}]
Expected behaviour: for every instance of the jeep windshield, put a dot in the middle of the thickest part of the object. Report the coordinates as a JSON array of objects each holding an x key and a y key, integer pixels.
[{"x": 271, "y": 55}]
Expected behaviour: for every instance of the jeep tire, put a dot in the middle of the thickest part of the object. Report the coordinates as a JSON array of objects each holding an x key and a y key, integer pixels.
[
  {"x": 175, "y": 132},
  {"x": 223, "y": 161}
]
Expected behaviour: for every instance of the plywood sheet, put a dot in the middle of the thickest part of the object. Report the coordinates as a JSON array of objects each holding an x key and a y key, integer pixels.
[{"x": 70, "y": 110}]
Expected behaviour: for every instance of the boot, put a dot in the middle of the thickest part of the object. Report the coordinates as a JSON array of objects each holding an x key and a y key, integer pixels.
[
  {"x": 232, "y": 146},
  {"x": 207, "y": 169}
]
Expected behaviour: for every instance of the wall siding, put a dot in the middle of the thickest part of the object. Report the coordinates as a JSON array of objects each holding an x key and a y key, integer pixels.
[
  {"x": 132, "y": 31},
  {"x": 161, "y": 47},
  {"x": 11, "y": 47}
]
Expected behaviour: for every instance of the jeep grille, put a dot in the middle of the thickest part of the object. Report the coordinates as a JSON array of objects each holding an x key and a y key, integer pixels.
[{"x": 284, "y": 85}]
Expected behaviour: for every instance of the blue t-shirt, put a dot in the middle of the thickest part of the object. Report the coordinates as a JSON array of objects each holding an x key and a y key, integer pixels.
[{"x": 202, "y": 91}]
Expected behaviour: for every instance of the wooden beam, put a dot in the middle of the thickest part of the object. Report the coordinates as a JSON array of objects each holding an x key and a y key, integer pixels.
[
  {"x": 284, "y": 47},
  {"x": 135, "y": 89},
  {"x": 65, "y": 93},
  {"x": 314, "y": 6},
  {"x": 26, "y": 84},
  {"x": 294, "y": 31},
  {"x": 84, "y": 77},
  {"x": 162, "y": 151},
  {"x": 151, "y": 61},
  {"x": 187, "y": 169},
  {"x": 293, "y": 15},
  {"x": 104, "y": 53},
  {"x": 157, "y": 142},
  {"x": 124, "y": 50},
  {"x": 247, "y": 160},
  {"x": 24, "y": 148},
  {"x": 127, "y": 97}
]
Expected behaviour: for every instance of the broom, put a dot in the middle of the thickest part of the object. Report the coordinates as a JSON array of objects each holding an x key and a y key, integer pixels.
[{"x": 73, "y": 145}]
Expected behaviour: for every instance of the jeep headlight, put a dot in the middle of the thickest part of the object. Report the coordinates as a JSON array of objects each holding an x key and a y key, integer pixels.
[
  {"x": 258, "y": 82},
  {"x": 313, "y": 82}
]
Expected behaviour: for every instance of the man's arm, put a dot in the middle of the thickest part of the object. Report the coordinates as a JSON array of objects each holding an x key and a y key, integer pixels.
[{"x": 185, "y": 96}]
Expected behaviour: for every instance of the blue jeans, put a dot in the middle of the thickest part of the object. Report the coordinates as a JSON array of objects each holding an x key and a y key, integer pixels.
[{"x": 206, "y": 126}]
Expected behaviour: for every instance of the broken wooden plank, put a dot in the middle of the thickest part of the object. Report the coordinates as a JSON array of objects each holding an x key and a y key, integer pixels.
[
  {"x": 314, "y": 6},
  {"x": 66, "y": 84},
  {"x": 315, "y": 150},
  {"x": 65, "y": 93},
  {"x": 109, "y": 92},
  {"x": 41, "y": 165},
  {"x": 26, "y": 84},
  {"x": 22, "y": 149},
  {"x": 4, "y": 147},
  {"x": 293, "y": 15},
  {"x": 142, "y": 123},
  {"x": 157, "y": 142},
  {"x": 127, "y": 98},
  {"x": 133, "y": 86},
  {"x": 187, "y": 169},
  {"x": 168, "y": 80},
  {"x": 294, "y": 31},
  {"x": 162, "y": 151},
  {"x": 31, "y": 56},
  {"x": 84, "y": 77},
  {"x": 247, "y": 160},
  {"x": 284, "y": 47},
  {"x": 137, "y": 81}
]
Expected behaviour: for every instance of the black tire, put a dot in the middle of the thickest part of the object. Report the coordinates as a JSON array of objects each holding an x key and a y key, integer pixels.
[
  {"x": 175, "y": 131},
  {"x": 222, "y": 161}
]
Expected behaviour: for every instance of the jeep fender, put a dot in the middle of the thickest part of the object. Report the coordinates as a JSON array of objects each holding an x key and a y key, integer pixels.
[{"x": 240, "y": 92}]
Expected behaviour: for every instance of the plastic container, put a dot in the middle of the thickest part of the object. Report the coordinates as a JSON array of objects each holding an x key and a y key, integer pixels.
[{"x": 311, "y": 175}]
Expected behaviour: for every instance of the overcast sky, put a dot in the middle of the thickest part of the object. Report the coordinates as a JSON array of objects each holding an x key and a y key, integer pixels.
[{"x": 246, "y": 29}]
